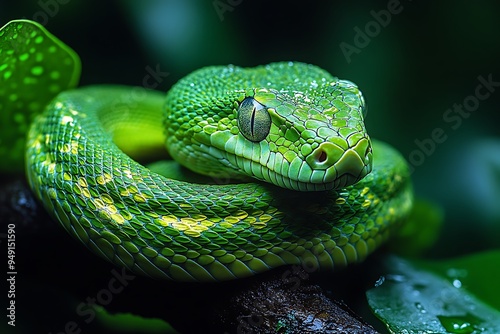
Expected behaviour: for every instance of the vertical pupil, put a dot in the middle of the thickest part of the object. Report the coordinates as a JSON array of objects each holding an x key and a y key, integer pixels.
[
  {"x": 322, "y": 157},
  {"x": 252, "y": 121}
]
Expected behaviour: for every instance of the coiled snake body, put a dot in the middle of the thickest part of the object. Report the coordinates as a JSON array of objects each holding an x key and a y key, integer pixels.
[{"x": 293, "y": 134}]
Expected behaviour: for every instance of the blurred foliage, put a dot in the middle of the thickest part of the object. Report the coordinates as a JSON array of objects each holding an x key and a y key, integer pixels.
[{"x": 420, "y": 232}]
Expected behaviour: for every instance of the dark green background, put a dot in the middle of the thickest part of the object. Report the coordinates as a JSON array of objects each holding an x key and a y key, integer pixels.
[{"x": 426, "y": 59}]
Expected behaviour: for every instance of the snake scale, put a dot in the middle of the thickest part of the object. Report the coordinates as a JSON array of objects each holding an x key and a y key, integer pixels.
[{"x": 312, "y": 188}]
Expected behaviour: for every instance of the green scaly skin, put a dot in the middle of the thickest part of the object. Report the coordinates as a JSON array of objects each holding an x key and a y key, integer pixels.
[{"x": 170, "y": 229}]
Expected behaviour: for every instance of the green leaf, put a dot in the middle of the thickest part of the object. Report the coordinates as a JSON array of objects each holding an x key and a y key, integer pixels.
[
  {"x": 454, "y": 296},
  {"x": 129, "y": 323},
  {"x": 34, "y": 67},
  {"x": 478, "y": 273}
]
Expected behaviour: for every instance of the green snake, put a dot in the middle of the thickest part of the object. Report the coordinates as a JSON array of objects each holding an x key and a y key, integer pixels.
[{"x": 307, "y": 185}]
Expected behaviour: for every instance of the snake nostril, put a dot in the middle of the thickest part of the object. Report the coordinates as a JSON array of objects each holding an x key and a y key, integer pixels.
[{"x": 322, "y": 156}]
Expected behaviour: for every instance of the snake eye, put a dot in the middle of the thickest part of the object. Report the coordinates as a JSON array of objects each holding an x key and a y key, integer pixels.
[{"x": 254, "y": 120}]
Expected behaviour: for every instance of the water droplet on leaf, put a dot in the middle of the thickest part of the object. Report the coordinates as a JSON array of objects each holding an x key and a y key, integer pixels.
[{"x": 466, "y": 324}]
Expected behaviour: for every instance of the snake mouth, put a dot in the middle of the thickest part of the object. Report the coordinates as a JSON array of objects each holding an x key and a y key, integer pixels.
[
  {"x": 341, "y": 181},
  {"x": 350, "y": 168},
  {"x": 327, "y": 167}
]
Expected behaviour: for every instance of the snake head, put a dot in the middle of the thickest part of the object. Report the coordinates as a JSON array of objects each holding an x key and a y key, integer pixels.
[
  {"x": 315, "y": 140},
  {"x": 290, "y": 124}
]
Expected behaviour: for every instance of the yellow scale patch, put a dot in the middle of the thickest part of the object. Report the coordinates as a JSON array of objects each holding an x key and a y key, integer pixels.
[
  {"x": 107, "y": 208},
  {"x": 127, "y": 173},
  {"x": 82, "y": 182},
  {"x": 118, "y": 218},
  {"x": 167, "y": 220},
  {"x": 124, "y": 193},
  {"x": 52, "y": 168},
  {"x": 66, "y": 119},
  {"x": 82, "y": 185},
  {"x": 37, "y": 144},
  {"x": 195, "y": 225},
  {"x": 104, "y": 204},
  {"x": 191, "y": 226},
  {"x": 104, "y": 178},
  {"x": 71, "y": 147},
  {"x": 140, "y": 198},
  {"x": 74, "y": 147}
]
